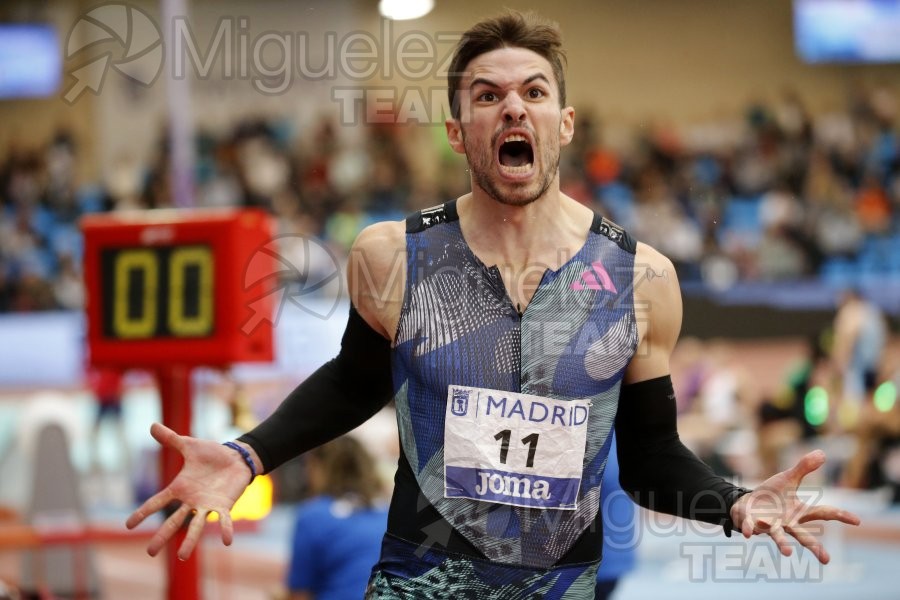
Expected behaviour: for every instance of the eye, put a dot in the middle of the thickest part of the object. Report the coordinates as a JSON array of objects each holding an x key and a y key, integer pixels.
[
  {"x": 486, "y": 97},
  {"x": 535, "y": 93}
]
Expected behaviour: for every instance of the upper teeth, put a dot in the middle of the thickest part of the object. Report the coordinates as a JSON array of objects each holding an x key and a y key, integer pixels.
[{"x": 515, "y": 138}]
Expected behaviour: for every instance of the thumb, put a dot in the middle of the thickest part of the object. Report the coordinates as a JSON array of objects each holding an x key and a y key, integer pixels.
[
  {"x": 806, "y": 465},
  {"x": 165, "y": 436}
]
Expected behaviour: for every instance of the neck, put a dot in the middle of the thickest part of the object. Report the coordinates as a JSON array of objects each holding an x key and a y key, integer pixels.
[{"x": 547, "y": 230}]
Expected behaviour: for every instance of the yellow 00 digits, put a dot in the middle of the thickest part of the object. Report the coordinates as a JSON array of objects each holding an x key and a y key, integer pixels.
[{"x": 136, "y": 313}]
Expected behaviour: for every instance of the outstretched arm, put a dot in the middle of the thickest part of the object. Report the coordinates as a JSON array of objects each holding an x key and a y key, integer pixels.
[
  {"x": 356, "y": 384},
  {"x": 339, "y": 396},
  {"x": 336, "y": 398},
  {"x": 658, "y": 470}
]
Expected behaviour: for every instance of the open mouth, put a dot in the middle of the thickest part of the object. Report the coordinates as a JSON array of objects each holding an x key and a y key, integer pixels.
[{"x": 516, "y": 155}]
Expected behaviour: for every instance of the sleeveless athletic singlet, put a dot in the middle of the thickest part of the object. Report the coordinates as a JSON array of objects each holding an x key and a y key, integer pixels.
[{"x": 458, "y": 327}]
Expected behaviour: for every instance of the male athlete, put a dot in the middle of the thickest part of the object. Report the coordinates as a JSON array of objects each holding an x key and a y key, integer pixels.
[{"x": 520, "y": 329}]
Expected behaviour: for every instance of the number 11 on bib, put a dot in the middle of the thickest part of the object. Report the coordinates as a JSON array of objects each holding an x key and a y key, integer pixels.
[{"x": 513, "y": 448}]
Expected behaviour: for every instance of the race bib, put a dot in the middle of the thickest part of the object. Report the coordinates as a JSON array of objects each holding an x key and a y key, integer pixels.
[{"x": 514, "y": 448}]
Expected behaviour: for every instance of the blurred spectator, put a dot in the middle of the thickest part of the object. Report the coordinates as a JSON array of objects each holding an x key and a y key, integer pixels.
[
  {"x": 8, "y": 591},
  {"x": 157, "y": 189},
  {"x": 779, "y": 208},
  {"x": 33, "y": 292},
  {"x": 6, "y": 289},
  {"x": 860, "y": 336},
  {"x": 874, "y": 461},
  {"x": 832, "y": 222},
  {"x": 60, "y": 165},
  {"x": 338, "y": 532},
  {"x": 872, "y": 206},
  {"x": 123, "y": 185},
  {"x": 720, "y": 409},
  {"x": 68, "y": 289},
  {"x": 782, "y": 419},
  {"x": 660, "y": 220},
  {"x": 106, "y": 384},
  {"x": 691, "y": 368},
  {"x": 774, "y": 194},
  {"x": 779, "y": 257}
]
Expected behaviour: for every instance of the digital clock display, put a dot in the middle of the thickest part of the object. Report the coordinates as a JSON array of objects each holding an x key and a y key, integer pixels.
[{"x": 165, "y": 291}]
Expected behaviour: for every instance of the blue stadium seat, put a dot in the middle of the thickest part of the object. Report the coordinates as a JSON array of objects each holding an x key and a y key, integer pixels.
[{"x": 839, "y": 272}]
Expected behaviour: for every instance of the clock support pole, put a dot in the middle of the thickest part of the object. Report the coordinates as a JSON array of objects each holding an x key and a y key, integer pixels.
[{"x": 175, "y": 392}]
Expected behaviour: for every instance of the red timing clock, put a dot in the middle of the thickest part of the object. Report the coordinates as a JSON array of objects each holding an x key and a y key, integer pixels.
[
  {"x": 170, "y": 290},
  {"x": 178, "y": 287}
]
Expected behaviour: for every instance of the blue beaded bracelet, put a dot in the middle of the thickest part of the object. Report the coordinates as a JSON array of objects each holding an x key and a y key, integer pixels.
[{"x": 246, "y": 456}]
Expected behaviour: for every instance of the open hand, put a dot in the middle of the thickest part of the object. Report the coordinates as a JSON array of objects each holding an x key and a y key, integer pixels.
[
  {"x": 212, "y": 478},
  {"x": 774, "y": 508}
]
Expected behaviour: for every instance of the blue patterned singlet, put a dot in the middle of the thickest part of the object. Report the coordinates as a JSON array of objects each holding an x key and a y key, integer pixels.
[{"x": 459, "y": 327}]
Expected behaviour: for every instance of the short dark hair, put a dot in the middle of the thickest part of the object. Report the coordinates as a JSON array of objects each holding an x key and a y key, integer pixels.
[
  {"x": 349, "y": 470},
  {"x": 511, "y": 29}
]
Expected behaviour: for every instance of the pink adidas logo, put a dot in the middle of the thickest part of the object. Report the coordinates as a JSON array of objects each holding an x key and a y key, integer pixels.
[{"x": 595, "y": 278}]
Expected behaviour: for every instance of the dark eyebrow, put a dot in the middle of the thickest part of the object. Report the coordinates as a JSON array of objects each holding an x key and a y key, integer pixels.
[
  {"x": 535, "y": 77},
  {"x": 489, "y": 83},
  {"x": 482, "y": 81}
]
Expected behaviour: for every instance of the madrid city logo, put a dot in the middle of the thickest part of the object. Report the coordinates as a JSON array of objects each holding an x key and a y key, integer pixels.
[
  {"x": 304, "y": 273},
  {"x": 139, "y": 56},
  {"x": 460, "y": 403}
]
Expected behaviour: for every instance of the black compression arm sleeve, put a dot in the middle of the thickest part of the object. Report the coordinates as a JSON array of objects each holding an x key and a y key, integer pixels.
[
  {"x": 656, "y": 469},
  {"x": 340, "y": 395}
]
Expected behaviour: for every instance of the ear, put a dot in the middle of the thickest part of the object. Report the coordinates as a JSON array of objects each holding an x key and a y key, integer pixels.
[
  {"x": 455, "y": 135},
  {"x": 566, "y": 126}
]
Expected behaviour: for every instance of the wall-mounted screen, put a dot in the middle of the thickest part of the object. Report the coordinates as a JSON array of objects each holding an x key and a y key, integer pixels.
[
  {"x": 30, "y": 61},
  {"x": 847, "y": 31}
]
